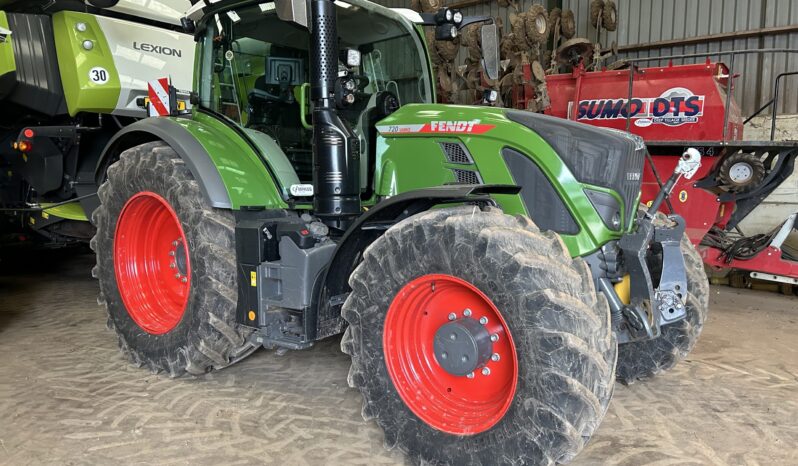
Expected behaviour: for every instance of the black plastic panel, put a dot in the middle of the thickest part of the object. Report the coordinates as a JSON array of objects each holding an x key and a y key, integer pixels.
[
  {"x": 543, "y": 203},
  {"x": 598, "y": 156},
  {"x": 38, "y": 78}
]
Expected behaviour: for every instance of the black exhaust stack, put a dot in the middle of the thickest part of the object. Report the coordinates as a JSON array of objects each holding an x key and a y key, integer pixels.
[{"x": 336, "y": 151}]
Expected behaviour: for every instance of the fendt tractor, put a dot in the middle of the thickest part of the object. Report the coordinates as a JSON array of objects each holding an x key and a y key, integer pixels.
[
  {"x": 72, "y": 74},
  {"x": 491, "y": 270}
]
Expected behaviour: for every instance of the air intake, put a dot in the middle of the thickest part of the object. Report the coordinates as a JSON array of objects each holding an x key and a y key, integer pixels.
[
  {"x": 456, "y": 153},
  {"x": 466, "y": 176}
]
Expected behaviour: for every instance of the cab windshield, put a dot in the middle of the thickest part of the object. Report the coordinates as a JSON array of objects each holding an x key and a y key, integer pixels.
[{"x": 255, "y": 69}]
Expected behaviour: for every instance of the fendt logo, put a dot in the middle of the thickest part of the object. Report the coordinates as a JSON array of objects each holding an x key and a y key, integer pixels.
[
  {"x": 452, "y": 127},
  {"x": 674, "y": 107}
]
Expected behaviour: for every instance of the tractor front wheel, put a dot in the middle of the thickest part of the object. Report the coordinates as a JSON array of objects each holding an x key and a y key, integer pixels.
[
  {"x": 476, "y": 339},
  {"x": 166, "y": 266}
]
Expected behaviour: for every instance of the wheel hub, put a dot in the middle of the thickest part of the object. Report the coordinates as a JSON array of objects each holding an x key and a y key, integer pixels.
[
  {"x": 450, "y": 354},
  {"x": 741, "y": 173},
  {"x": 462, "y": 346},
  {"x": 151, "y": 263}
]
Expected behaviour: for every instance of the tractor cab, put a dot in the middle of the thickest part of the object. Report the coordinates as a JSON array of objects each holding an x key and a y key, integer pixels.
[{"x": 255, "y": 71}]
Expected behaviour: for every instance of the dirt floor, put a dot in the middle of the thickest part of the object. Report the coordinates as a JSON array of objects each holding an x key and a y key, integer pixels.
[{"x": 68, "y": 397}]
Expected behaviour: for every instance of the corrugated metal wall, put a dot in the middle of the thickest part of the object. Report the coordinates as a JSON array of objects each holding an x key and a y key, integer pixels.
[{"x": 644, "y": 21}]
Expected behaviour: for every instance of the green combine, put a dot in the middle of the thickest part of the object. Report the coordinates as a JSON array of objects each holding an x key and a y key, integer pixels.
[{"x": 491, "y": 270}]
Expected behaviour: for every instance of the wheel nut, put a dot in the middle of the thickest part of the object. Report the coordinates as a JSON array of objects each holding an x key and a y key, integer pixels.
[
  {"x": 495, "y": 357},
  {"x": 494, "y": 338},
  {"x": 177, "y": 275},
  {"x": 184, "y": 280},
  {"x": 470, "y": 375},
  {"x": 483, "y": 320},
  {"x": 172, "y": 265},
  {"x": 174, "y": 243},
  {"x": 485, "y": 371},
  {"x": 171, "y": 253},
  {"x": 467, "y": 312},
  {"x": 452, "y": 316}
]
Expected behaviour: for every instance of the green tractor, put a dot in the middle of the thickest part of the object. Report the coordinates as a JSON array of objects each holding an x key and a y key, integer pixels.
[{"x": 482, "y": 264}]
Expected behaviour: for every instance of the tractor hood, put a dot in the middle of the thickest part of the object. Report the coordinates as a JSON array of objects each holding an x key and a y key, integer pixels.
[{"x": 564, "y": 167}]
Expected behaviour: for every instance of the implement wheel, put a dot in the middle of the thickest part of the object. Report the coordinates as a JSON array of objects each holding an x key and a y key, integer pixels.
[
  {"x": 476, "y": 339},
  {"x": 166, "y": 266}
]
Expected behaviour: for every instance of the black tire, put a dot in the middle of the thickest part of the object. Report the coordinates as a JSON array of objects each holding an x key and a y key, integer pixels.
[
  {"x": 568, "y": 24},
  {"x": 206, "y": 336},
  {"x": 609, "y": 18},
  {"x": 565, "y": 368},
  {"x": 536, "y": 23},
  {"x": 752, "y": 162},
  {"x": 644, "y": 359},
  {"x": 595, "y": 11}
]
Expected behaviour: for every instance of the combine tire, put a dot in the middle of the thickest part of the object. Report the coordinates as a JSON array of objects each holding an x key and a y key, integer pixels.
[
  {"x": 643, "y": 359},
  {"x": 595, "y": 11},
  {"x": 476, "y": 339},
  {"x": 166, "y": 266}
]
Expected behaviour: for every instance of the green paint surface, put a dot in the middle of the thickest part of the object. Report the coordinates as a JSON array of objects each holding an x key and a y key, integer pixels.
[
  {"x": 7, "y": 61},
  {"x": 243, "y": 171},
  {"x": 71, "y": 211},
  {"x": 76, "y": 63},
  {"x": 415, "y": 160}
]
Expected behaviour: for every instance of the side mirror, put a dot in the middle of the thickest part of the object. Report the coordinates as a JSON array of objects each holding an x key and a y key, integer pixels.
[
  {"x": 490, "y": 50},
  {"x": 295, "y": 11}
]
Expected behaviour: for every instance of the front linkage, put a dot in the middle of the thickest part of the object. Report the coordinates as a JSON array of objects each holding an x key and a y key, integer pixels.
[{"x": 643, "y": 275}]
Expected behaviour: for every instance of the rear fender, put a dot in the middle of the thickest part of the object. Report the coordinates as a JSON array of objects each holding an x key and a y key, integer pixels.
[{"x": 230, "y": 173}]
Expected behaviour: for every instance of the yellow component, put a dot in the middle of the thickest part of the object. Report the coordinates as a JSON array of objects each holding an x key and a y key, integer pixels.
[
  {"x": 683, "y": 196},
  {"x": 181, "y": 104},
  {"x": 32, "y": 220},
  {"x": 24, "y": 157},
  {"x": 253, "y": 278},
  {"x": 623, "y": 289},
  {"x": 45, "y": 215},
  {"x": 648, "y": 204},
  {"x": 251, "y": 315},
  {"x": 16, "y": 145},
  {"x": 71, "y": 211}
]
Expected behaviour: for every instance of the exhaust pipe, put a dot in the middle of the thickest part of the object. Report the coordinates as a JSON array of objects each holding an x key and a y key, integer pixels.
[{"x": 336, "y": 148}]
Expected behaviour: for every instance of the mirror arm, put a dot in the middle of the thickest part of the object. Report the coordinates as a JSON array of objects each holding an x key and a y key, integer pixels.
[
  {"x": 428, "y": 19},
  {"x": 468, "y": 20}
]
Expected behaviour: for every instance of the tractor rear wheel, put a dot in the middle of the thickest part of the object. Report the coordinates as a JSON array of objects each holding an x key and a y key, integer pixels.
[
  {"x": 644, "y": 359},
  {"x": 166, "y": 266},
  {"x": 476, "y": 339}
]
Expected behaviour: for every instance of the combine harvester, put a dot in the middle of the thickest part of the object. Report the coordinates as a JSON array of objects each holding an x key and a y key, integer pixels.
[
  {"x": 72, "y": 75},
  {"x": 672, "y": 108}
]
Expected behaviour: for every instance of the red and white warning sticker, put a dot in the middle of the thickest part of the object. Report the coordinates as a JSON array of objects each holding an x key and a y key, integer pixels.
[
  {"x": 439, "y": 127},
  {"x": 158, "y": 92}
]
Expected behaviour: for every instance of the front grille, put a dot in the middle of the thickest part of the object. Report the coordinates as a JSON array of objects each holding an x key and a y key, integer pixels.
[
  {"x": 598, "y": 156},
  {"x": 466, "y": 176},
  {"x": 456, "y": 153}
]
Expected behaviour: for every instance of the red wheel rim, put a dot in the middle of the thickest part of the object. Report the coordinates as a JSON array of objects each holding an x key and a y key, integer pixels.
[
  {"x": 151, "y": 263},
  {"x": 460, "y": 405}
]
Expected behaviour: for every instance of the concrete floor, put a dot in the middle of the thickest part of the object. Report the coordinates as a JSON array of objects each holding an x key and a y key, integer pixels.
[{"x": 68, "y": 397}]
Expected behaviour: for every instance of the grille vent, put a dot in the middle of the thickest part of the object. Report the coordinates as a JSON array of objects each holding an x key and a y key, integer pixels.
[
  {"x": 466, "y": 176},
  {"x": 456, "y": 153}
]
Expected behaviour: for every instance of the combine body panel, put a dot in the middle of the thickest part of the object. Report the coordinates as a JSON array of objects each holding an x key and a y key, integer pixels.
[
  {"x": 670, "y": 103},
  {"x": 113, "y": 74}
]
